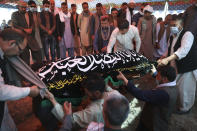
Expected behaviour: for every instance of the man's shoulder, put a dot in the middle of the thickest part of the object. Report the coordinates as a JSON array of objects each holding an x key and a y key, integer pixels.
[{"x": 15, "y": 13}]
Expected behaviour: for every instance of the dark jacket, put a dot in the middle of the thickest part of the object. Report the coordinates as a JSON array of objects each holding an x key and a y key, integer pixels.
[
  {"x": 19, "y": 22},
  {"x": 73, "y": 26},
  {"x": 60, "y": 26}
]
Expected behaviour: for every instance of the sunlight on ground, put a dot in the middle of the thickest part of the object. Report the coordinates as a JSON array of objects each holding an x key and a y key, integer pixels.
[{"x": 134, "y": 112}]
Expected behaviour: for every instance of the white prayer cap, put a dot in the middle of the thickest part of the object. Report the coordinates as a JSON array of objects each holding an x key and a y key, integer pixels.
[
  {"x": 132, "y": 1},
  {"x": 148, "y": 8}
]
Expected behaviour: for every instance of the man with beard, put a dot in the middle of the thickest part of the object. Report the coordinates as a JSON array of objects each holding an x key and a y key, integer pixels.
[
  {"x": 21, "y": 20},
  {"x": 84, "y": 26},
  {"x": 147, "y": 31}
]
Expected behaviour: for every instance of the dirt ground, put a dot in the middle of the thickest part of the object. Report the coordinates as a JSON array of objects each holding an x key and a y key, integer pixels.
[{"x": 25, "y": 120}]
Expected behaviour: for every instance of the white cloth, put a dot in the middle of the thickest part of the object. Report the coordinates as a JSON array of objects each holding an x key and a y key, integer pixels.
[
  {"x": 163, "y": 43},
  {"x": 173, "y": 83},
  {"x": 93, "y": 126},
  {"x": 128, "y": 16},
  {"x": 186, "y": 82},
  {"x": 125, "y": 41},
  {"x": 148, "y": 8},
  {"x": 63, "y": 16}
]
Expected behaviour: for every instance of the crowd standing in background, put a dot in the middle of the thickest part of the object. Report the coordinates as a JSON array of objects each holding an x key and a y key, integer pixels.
[{"x": 54, "y": 34}]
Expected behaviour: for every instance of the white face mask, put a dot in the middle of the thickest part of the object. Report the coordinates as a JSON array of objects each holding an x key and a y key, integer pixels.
[
  {"x": 46, "y": 9},
  {"x": 174, "y": 30},
  {"x": 32, "y": 9}
]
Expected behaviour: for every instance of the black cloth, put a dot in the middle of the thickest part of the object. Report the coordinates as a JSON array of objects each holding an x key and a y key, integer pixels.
[
  {"x": 72, "y": 24},
  {"x": 188, "y": 63},
  {"x": 60, "y": 26},
  {"x": 136, "y": 18},
  {"x": 122, "y": 14}
]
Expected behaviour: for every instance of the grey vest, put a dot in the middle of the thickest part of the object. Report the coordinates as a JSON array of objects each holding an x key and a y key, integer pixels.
[{"x": 156, "y": 117}]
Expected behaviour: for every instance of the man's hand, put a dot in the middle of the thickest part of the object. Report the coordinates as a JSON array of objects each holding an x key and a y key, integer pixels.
[
  {"x": 104, "y": 49},
  {"x": 28, "y": 31},
  {"x": 93, "y": 37},
  {"x": 157, "y": 46},
  {"x": 122, "y": 77},
  {"x": 163, "y": 62},
  {"x": 51, "y": 97},
  {"x": 67, "y": 108},
  {"x": 59, "y": 38},
  {"x": 50, "y": 32},
  {"x": 34, "y": 91}
]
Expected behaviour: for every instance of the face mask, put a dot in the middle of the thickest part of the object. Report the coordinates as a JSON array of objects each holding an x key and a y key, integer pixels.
[
  {"x": 174, "y": 30},
  {"x": 46, "y": 9},
  {"x": 32, "y": 9}
]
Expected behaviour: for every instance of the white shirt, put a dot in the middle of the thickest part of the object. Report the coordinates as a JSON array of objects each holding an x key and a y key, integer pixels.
[
  {"x": 125, "y": 41},
  {"x": 163, "y": 43},
  {"x": 186, "y": 44},
  {"x": 7, "y": 93}
]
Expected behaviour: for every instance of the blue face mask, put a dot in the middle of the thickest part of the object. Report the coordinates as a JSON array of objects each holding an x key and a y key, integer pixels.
[
  {"x": 46, "y": 9},
  {"x": 32, "y": 9},
  {"x": 174, "y": 30}
]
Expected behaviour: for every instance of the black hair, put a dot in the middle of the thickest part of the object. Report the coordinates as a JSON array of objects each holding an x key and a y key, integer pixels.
[
  {"x": 30, "y": 2},
  {"x": 116, "y": 109},
  {"x": 84, "y": 3},
  {"x": 177, "y": 18},
  {"x": 159, "y": 19},
  {"x": 114, "y": 9},
  {"x": 64, "y": 3},
  {"x": 73, "y": 5},
  {"x": 11, "y": 34},
  {"x": 168, "y": 71},
  {"x": 45, "y": 2},
  {"x": 99, "y": 5},
  {"x": 124, "y": 3},
  {"x": 94, "y": 82},
  {"x": 123, "y": 24}
]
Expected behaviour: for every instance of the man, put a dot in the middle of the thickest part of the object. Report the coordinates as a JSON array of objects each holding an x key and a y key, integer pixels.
[
  {"x": 138, "y": 15},
  {"x": 75, "y": 29},
  {"x": 7, "y": 91},
  {"x": 21, "y": 20},
  {"x": 126, "y": 11},
  {"x": 113, "y": 17},
  {"x": 160, "y": 101},
  {"x": 190, "y": 18},
  {"x": 34, "y": 16},
  {"x": 3, "y": 25},
  {"x": 65, "y": 35},
  {"x": 95, "y": 20},
  {"x": 54, "y": 10},
  {"x": 147, "y": 31},
  {"x": 124, "y": 35},
  {"x": 182, "y": 53},
  {"x": 84, "y": 26},
  {"x": 96, "y": 92},
  {"x": 115, "y": 112},
  {"x": 162, "y": 37},
  {"x": 47, "y": 24},
  {"x": 93, "y": 112}
]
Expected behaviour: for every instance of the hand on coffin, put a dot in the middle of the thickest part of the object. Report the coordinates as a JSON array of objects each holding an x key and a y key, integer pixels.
[
  {"x": 34, "y": 91},
  {"x": 51, "y": 97},
  {"x": 67, "y": 108},
  {"x": 122, "y": 77},
  {"x": 162, "y": 62}
]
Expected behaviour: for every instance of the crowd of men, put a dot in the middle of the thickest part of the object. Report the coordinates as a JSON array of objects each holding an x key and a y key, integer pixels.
[{"x": 54, "y": 34}]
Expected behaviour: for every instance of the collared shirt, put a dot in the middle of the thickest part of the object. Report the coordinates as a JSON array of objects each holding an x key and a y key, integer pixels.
[
  {"x": 186, "y": 44},
  {"x": 125, "y": 41},
  {"x": 173, "y": 83}
]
